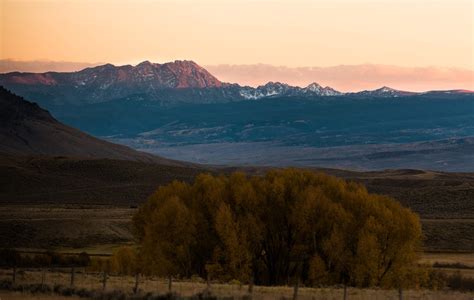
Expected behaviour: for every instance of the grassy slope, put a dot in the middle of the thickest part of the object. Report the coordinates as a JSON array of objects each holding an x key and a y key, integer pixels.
[{"x": 61, "y": 180}]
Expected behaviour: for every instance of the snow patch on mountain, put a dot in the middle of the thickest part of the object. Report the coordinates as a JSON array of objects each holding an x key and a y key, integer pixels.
[{"x": 274, "y": 89}]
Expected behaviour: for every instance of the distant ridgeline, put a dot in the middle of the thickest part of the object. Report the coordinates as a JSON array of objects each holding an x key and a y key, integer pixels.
[{"x": 166, "y": 84}]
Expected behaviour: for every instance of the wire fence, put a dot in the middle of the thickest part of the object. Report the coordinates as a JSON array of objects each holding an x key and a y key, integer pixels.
[{"x": 82, "y": 279}]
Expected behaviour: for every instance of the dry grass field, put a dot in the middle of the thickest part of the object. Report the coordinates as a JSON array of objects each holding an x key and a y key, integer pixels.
[
  {"x": 190, "y": 288},
  {"x": 451, "y": 263},
  {"x": 78, "y": 228},
  {"x": 467, "y": 259},
  {"x": 98, "y": 229},
  {"x": 27, "y": 296}
]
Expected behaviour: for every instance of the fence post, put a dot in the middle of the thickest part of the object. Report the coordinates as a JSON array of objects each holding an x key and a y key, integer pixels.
[
  {"x": 295, "y": 289},
  {"x": 72, "y": 276},
  {"x": 251, "y": 287},
  {"x": 135, "y": 289},
  {"x": 345, "y": 292},
  {"x": 43, "y": 274},
  {"x": 104, "y": 280},
  {"x": 170, "y": 281},
  {"x": 14, "y": 275},
  {"x": 53, "y": 275}
]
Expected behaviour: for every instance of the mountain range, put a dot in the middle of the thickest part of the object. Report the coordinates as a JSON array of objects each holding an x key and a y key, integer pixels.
[
  {"x": 169, "y": 83},
  {"x": 181, "y": 111}
]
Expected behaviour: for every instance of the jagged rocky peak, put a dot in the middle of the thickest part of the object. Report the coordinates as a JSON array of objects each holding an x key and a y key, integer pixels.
[
  {"x": 275, "y": 83},
  {"x": 386, "y": 89},
  {"x": 189, "y": 74},
  {"x": 314, "y": 87},
  {"x": 317, "y": 90},
  {"x": 100, "y": 68},
  {"x": 184, "y": 63},
  {"x": 275, "y": 89},
  {"x": 145, "y": 64}
]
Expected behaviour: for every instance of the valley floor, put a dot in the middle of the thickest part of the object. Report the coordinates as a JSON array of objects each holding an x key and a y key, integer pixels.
[{"x": 452, "y": 155}]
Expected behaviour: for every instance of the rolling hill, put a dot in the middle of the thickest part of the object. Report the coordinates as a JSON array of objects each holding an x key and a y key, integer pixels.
[{"x": 27, "y": 129}]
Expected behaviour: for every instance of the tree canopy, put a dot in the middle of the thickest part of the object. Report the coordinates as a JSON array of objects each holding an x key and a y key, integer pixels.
[{"x": 274, "y": 228}]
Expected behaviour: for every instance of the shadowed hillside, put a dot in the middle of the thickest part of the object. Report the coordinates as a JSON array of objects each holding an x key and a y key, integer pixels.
[
  {"x": 27, "y": 129},
  {"x": 65, "y": 180}
]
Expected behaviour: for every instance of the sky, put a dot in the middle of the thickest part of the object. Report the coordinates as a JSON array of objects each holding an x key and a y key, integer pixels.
[{"x": 296, "y": 33}]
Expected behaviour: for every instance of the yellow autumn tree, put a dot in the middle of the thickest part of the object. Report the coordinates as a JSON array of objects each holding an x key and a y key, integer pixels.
[
  {"x": 285, "y": 224},
  {"x": 124, "y": 261},
  {"x": 170, "y": 237}
]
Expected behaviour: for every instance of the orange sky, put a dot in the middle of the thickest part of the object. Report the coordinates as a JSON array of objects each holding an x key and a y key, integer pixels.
[{"x": 278, "y": 32}]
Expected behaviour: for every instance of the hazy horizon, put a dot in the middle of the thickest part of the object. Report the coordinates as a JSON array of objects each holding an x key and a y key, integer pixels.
[{"x": 346, "y": 44}]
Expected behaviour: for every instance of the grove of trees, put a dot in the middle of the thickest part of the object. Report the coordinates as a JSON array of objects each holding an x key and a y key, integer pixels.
[{"x": 273, "y": 229}]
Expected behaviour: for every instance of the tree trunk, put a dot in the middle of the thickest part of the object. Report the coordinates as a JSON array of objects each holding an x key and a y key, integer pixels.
[
  {"x": 170, "y": 282},
  {"x": 345, "y": 292}
]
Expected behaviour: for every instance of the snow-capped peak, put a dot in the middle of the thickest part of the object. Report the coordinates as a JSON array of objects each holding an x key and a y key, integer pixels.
[
  {"x": 386, "y": 89},
  {"x": 274, "y": 89},
  {"x": 314, "y": 87}
]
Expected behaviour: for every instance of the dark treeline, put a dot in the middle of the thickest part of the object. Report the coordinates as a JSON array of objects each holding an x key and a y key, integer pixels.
[
  {"x": 287, "y": 225},
  {"x": 11, "y": 258}
]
